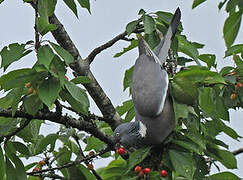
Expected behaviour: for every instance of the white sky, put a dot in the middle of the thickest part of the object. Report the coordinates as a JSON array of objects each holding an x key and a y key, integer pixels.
[{"x": 109, "y": 18}]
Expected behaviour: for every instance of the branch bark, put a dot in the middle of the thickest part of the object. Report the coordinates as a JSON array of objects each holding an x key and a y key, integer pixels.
[
  {"x": 238, "y": 151},
  {"x": 81, "y": 67},
  {"x": 65, "y": 120}
]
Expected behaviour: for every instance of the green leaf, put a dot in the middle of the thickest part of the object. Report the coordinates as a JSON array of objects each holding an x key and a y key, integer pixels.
[
  {"x": 200, "y": 74},
  {"x": 10, "y": 170},
  {"x": 164, "y": 18},
  {"x": 63, "y": 155},
  {"x": 31, "y": 131},
  {"x": 131, "y": 27},
  {"x": 48, "y": 90},
  {"x": 223, "y": 156},
  {"x": 209, "y": 59},
  {"x": 46, "y": 8},
  {"x": 231, "y": 27},
  {"x": 187, "y": 168},
  {"x": 86, "y": 173},
  {"x": 126, "y": 106},
  {"x": 81, "y": 80},
  {"x": 85, "y": 4},
  {"x": 197, "y": 45},
  {"x": 32, "y": 104},
  {"x": 71, "y": 4},
  {"x": 184, "y": 91},
  {"x": 137, "y": 156},
  {"x": 12, "y": 99},
  {"x": 188, "y": 144},
  {"x": 2, "y": 164},
  {"x": 19, "y": 81},
  {"x": 231, "y": 5},
  {"x": 181, "y": 110},
  {"x": 17, "y": 94},
  {"x": 79, "y": 95},
  {"x": 58, "y": 70},
  {"x": 197, "y": 3},
  {"x": 221, "y": 4},
  {"x": 21, "y": 148},
  {"x": 130, "y": 114},
  {"x": 45, "y": 55},
  {"x": 187, "y": 47},
  {"x": 49, "y": 139},
  {"x": 11, "y": 53},
  {"x": 44, "y": 26},
  {"x": 182, "y": 61},
  {"x": 221, "y": 110},
  {"x": 134, "y": 43},
  {"x": 152, "y": 39},
  {"x": 113, "y": 173},
  {"x": 66, "y": 56},
  {"x": 197, "y": 138},
  {"x": 224, "y": 176},
  {"x": 233, "y": 50},
  {"x": 19, "y": 166},
  {"x": 7, "y": 125},
  {"x": 206, "y": 101},
  {"x": 94, "y": 143},
  {"x": 127, "y": 81},
  {"x": 76, "y": 105},
  {"x": 228, "y": 130},
  {"x": 149, "y": 24}
]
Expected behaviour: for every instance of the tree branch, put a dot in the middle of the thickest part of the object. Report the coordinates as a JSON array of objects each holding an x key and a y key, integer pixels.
[
  {"x": 238, "y": 151},
  {"x": 108, "y": 44},
  {"x": 81, "y": 67},
  {"x": 65, "y": 120},
  {"x": 71, "y": 163}
]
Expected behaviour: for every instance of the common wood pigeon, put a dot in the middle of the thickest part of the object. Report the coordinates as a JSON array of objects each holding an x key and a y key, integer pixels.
[{"x": 154, "y": 119}]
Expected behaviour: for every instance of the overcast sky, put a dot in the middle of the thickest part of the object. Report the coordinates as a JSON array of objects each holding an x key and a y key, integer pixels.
[{"x": 109, "y": 18}]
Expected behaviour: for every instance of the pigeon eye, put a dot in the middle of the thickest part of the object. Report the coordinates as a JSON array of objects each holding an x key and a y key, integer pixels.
[{"x": 118, "y": 134}]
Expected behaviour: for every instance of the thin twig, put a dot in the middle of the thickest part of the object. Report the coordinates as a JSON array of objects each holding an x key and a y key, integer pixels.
[
  {"x": 108, "y": 44},
  {"x": 87, "y": 162},
  {"x": 37, "y": 35},
  {"x": 8, "y": 136},
  {"x": 238, "y": 151},
  {"x": 71, "y": 163}
]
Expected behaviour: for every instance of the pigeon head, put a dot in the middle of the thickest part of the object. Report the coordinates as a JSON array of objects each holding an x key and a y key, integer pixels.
[{"x": 130, "y": 134}]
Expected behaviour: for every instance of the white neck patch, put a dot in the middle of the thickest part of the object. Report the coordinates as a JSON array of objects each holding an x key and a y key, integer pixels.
[{"x": 142, "y": 129}]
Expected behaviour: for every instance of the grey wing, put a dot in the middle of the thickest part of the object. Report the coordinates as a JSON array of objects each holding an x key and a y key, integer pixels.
[{"x": 149, "y": 86}]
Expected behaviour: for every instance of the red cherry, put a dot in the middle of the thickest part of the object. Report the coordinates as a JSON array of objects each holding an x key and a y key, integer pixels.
[
  {"x": 146, "y": 170},
  {"x": 121, "y": 151},
  {"x": 36, "y": 169},
  {"x": 141, "y": 174},
  {"x": 239, "y": 85},
  {"x": 163, "y": 173},
  {"x": 66, "y": 78},
  {"x": 90, "y": 166},
  {"x": 137, "y": 169}
]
